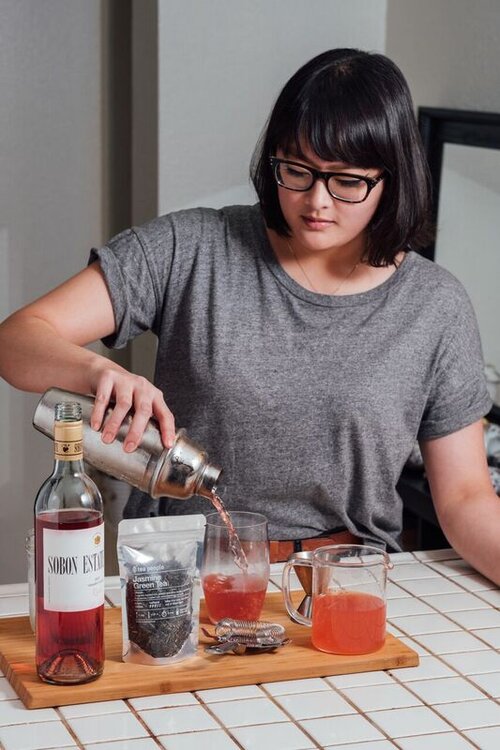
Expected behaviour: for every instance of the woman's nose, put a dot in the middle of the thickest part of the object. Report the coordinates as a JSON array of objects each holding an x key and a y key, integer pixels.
[{"x": 318, "y": 195}]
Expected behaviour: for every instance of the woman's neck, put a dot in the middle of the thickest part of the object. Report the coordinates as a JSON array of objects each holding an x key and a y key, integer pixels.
[{"x": 333, "y": 271}]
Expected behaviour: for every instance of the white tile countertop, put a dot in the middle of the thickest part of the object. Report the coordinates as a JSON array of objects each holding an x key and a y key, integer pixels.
[{"x": 437, "y": 604}]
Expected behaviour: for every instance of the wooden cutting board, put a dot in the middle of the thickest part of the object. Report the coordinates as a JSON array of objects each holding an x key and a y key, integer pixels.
[{"x": 120, "y": 680}]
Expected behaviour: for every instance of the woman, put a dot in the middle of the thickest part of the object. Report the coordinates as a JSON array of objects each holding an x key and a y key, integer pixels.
[{"x": 301, "y": 341}]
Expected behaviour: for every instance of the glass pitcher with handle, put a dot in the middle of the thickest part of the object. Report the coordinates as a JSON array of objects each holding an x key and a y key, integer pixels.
[{"x": 348, "y": 597}]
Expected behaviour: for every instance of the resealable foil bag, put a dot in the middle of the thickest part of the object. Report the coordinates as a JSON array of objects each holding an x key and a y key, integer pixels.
[{"x": 159, "y": 561}]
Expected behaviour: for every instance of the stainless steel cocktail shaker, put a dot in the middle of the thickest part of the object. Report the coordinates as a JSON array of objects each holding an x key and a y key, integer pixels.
[{"x": 178, "y": 472}]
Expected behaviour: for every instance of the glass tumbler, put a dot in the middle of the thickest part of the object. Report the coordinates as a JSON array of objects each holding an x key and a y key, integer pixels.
[{"x": 234, "y": 578}]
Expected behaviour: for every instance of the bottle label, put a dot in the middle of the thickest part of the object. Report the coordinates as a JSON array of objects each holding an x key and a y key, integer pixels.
[
  {"x": 73, "y": 569},
  {"x": 68, "y": 441}
]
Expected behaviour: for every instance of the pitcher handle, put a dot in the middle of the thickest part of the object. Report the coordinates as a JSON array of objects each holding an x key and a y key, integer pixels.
[{"x": 292, "y": 612}]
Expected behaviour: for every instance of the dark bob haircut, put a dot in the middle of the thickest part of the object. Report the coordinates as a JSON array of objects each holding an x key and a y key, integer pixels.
[{"x": 353, "y": 106}]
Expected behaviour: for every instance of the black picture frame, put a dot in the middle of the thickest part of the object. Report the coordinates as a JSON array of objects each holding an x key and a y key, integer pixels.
[{"x": 464, "y": 127}]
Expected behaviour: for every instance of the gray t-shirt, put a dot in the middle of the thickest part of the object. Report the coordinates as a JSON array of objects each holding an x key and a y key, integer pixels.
[{"x": 311, "y": 403}]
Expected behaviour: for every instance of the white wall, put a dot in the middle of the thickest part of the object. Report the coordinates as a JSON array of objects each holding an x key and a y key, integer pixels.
[
  {"x": 448, "y": 50},
  {"x": 469, "y": 228},
  {"x": 221, "y": 66},
  {"x": 51, "y": 197}
]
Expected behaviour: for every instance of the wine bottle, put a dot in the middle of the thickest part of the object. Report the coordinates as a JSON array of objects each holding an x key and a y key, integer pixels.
[{"x": 69, "y": 562}]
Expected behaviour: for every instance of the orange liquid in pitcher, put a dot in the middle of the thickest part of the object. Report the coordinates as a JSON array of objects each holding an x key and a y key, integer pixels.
[
  {"x": 348, "y": 622},
  {"x": 240, "y": 596}
]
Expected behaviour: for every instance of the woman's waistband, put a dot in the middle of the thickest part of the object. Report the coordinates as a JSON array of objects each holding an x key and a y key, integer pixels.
[{"x": 280, "y": 550}]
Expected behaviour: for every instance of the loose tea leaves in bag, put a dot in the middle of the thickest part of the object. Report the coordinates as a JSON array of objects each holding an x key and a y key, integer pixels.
[
  {"x": 159, "y": 575},
  {"x": 159, "y": 609}
]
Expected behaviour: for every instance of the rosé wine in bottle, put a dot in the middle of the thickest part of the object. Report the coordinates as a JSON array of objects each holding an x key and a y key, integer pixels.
[{"x": 69, "y": 562}]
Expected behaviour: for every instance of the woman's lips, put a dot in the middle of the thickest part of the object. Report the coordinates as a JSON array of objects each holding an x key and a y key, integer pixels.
[{"x": 312, "y": 222}]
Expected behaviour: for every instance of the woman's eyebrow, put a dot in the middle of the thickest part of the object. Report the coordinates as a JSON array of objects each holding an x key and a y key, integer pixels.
[{"x": 338, "y": 166}]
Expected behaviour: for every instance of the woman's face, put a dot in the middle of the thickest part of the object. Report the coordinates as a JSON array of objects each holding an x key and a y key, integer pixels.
[{"x": 318, "y": 221}]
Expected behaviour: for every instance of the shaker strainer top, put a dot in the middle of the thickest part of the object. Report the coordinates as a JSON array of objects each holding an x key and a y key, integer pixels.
[{"x": 240, "y": 635}]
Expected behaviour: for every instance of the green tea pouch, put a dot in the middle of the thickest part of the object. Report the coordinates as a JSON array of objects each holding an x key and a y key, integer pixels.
[{"x": 159, "y": 561}]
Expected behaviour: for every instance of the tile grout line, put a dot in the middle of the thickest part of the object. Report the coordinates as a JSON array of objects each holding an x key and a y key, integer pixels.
[
  {"x": 295, "y": 722},
  {"x": 478, "y": 594},
  {"x": 446, "y": 615},
  {"x": 361, "y": 712},
  {"x": 427, "y": 705},
  {"x": 462, "y": 627},
  {"x": 424, "y": 704},
  {"x": 451, "y": 579},
  {"x": 441, "y": 657},
  {"x": 69, "y": 728},
  {"x": 467, "y": 678},
  {"x": 142, "y": 722},
  {"x": 225, "y": 729},
  {"x": 358, "y": 711},
  {"x": 464, "y": 591}
]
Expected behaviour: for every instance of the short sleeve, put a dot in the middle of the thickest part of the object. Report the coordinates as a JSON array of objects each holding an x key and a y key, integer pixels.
[
  {"x": 136, "y": 273},
  {"x": 458, "y": 394},
  {"x": 150, "y": 269}
]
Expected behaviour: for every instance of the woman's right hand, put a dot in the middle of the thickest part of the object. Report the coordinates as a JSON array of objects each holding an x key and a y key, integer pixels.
[{"x": 130, "y": 393}]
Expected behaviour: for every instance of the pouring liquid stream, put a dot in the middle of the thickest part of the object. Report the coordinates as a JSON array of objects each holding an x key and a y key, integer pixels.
[{"x": 234, "y": 541}]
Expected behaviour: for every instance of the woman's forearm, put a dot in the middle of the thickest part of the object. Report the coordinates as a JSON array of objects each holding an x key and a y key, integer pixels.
[
  {"x": 465, "y": 501},
  {"x": 473, "y": 529},
  {"x": 34, "y": 357}
]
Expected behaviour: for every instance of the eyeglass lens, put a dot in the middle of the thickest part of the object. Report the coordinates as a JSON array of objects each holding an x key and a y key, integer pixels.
[{"x": 346, "y": 187}]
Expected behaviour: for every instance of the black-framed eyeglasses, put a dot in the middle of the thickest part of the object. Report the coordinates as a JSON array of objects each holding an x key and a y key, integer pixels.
[{"x": 343, "y": 186}]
